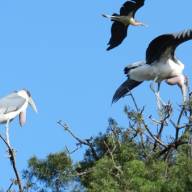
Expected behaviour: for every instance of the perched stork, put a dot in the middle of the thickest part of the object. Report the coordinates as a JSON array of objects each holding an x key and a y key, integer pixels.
[
  {"x": 160, "y": 64},
  {"x": 13, "y": 105},
  {"x": 122, "y": 21}
]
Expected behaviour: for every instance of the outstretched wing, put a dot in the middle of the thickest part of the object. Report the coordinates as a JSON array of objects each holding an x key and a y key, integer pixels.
[
  {"x": 164, "y": 46},
  {"x": 124, "y": 88},
  {"x": 130, "y": 7},
  {"x": 118, "y": 34},
  {"x": 11, "y": 103}
]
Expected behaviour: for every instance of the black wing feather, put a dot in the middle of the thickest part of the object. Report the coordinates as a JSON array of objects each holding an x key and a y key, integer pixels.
[
  {"x": 130, "y": 7},
  {"x": 124, "y": 88},
  {"x": 165, "y": 45},
  {"x": 118, "y": 34}
]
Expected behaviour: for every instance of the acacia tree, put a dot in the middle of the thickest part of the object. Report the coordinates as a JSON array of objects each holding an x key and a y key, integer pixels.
[{"x": 134, "y": 158}]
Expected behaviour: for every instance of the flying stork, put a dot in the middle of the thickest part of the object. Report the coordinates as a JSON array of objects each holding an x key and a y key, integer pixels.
[
  {"x": 122, "y": 21},
  {"x": 13, "y": 105},
  {"x": 160, "y": 64}
]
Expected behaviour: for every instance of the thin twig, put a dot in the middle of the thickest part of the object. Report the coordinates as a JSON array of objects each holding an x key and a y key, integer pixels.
[
  {"x": 180, "y": 115},
  {"x": 155, "y": 138},
  {"x": 178, "y": 123},
  {"x": 156, "y": 122},
  {"x": 112, "y": 158},
  {"x": 10, "y": 186},
  {"x": 142, "y": 144},
  {"x": 80, "y": 141},
  {"x": 82, "y": 173},
  {"x": 134, "y": 101}
]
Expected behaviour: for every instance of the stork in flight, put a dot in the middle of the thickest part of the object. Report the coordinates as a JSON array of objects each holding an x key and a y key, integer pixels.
[
  {"x": 122, "y": 21},
  {"x": 13, "y": 105},
  {"x": 160, "y": 64}
]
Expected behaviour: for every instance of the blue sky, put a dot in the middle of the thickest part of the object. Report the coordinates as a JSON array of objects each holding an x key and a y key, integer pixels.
[{"x": 56, "y": 49}]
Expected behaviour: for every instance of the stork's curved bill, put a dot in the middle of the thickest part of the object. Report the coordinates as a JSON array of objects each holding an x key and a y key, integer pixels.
[
  {"x": 32, "y": 104},
  {"x": 122, "y": 21},
  {"x": 160, "y": 64}
]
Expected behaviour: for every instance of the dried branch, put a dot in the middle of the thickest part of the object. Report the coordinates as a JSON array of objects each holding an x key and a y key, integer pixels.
[
  {"x": 167, "y": 113},
  {"x": 86, "y": 142},
  {"x": 134, "y": 101},
  {"x": 11, "y": 153},
  {"x": 82, "y": 173},
  {"x": 73, "y": 151},
  {"x": 178, "y": 123},
  {"x": 157, "y": 140},
  {"x": 173, "y": 145},
  {"x": 112, "y": 158},
  {"x": 143, "y": 145},
  {"x": 114, "y": 133},
  {"x": 10, "y": 186},
  {"x": 156, "y": 122},
  {"x": 136, "y": 120}
]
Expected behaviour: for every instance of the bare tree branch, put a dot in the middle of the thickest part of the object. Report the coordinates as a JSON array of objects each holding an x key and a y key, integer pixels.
[
  {"x": 10, "y": 186},
  {"x": 11, "y": 152},
  {"x": 112, "y": 158},
  {"x": 86, "y": 142},
  {"x": 134, "y": 101},
  {"x": 154, "y": 137},
  {"x": 167, "y": 113}
]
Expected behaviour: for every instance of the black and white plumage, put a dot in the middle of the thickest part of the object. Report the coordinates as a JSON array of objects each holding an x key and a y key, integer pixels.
[
  {"x": 160, "y": 64},
  {"x": 122, "y": 21}
]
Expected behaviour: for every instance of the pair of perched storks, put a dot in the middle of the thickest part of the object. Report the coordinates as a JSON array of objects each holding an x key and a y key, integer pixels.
[{"x": 160, "y": 62}]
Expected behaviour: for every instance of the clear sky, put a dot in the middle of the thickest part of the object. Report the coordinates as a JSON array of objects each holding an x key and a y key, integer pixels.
[{"x": 56, "y": 49}]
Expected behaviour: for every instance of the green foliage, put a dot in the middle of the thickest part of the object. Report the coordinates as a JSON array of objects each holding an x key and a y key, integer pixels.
[
  {"x": 180, "y": 173},
  {"x": 54, "y": 171},
  {"x": 120, "y": 160},
  {"x": 101, "y": 178}
]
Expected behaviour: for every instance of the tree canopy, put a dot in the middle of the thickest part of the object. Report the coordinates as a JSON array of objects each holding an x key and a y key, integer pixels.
[{"x": 132, "y": 158}]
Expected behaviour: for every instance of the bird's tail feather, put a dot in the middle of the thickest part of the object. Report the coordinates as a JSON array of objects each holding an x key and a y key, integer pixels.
[{"x": 124, "y": 88}]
